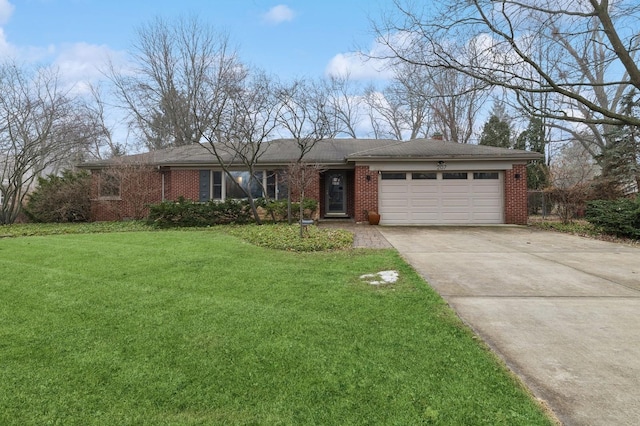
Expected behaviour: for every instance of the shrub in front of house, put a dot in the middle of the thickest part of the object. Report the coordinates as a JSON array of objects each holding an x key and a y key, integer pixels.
[
  {"x": 64, "y": 198},
  {"x": 619, "y": 217},
  {"x": 277, "y": 209},
  {"x": 186, "y": 213}
]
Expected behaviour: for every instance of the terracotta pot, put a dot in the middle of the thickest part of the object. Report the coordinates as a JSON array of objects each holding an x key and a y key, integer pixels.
[{"x": 374, "y": 218}]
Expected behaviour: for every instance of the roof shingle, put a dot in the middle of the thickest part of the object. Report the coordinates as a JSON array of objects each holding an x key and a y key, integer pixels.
[{"x": 329, "y": 151}]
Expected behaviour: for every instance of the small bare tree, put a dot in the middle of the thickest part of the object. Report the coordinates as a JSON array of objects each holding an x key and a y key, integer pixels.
[
  {"x": 303, "y": 114},
  {"x": 570, "y": 178},
  {"x": 134, "y": 184},
  {"x": 300, "y": 175}
]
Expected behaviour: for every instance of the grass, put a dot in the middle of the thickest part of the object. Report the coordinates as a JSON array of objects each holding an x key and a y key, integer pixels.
[
  {"x": 576, "y": 227},
  {"x": 33, "y": 229},
  {"x": 199, "y": 328},
  {"x": 275, "y": 236}
]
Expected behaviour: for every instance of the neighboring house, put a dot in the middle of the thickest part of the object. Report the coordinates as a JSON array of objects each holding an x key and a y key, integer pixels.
[{"x": 420, "y": 182}]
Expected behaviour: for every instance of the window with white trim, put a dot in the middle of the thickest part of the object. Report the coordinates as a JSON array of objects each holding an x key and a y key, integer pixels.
[{"x": 217, "y": 185}]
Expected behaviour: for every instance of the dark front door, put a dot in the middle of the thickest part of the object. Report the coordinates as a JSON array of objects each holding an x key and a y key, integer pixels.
[{"x": 336, "y": 194}]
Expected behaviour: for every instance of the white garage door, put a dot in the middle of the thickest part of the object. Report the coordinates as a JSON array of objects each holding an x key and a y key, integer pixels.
[{"x": 438, "y": 198}]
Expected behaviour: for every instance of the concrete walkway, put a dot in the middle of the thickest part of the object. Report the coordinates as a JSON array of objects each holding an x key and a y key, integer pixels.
[
  {"x": 561, "y": 310},
  {"x": 364, "y": 235}
]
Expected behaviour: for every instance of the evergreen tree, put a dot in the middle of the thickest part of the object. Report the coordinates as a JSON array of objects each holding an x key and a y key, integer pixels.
[
  {"x": 620, "y": 159},
  {"x": 533, "y": 139},
  {"x": 496, "y": 132}
]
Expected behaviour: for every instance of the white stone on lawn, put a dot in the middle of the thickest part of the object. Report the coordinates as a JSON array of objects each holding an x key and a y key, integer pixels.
[{"x": 382, "y": 277}]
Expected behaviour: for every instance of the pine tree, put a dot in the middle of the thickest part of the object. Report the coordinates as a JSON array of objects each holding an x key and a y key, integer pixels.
[
  {"x": 497, "y": 131},
  {"x": 533, "y": 139},
  {"x": 621, "y": 158}
]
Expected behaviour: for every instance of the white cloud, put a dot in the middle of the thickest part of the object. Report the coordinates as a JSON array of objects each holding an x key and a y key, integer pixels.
[
  {"x": 371, "y": 65},
  {"x": 6, "y": 49},
  {"x": 278, "y": 14},
  {"x": 358, "y": 66},
  {"x": 82, "y": 63},
  {"x": 6, "y": 10}
]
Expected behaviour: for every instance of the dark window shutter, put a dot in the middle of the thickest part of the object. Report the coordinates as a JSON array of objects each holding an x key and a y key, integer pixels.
[
  {"x": 217, "y": 185},
  {"x": 205, "y": 185}
]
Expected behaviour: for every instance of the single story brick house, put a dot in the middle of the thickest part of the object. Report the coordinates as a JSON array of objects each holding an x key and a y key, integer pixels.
[{"x": 419, "y": 182}]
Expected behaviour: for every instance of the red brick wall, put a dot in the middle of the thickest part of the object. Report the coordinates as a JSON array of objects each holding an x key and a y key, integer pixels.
[
  {"x": 515, "y": 195},
  {"x": 364, "y": 196},
  {"x": 351, "y": 206},
  {"x": 182, "y": 183},
  {"x": 365, "y": 192},
  {"x": 311, "y": 191},
  {"x": 138, "y": 189}
]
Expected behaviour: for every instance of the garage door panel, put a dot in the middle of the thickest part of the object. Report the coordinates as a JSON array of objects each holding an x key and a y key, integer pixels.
[
  {"x": 455, "y": 203},
  {"x": 456, "y": 189},
  {"x": 424, "y": 217},
  {"x": 430, "y": 204},
  {"x": 485, "y": 202},
  {"x": 397, "y": 217},
  {"x": 450, "y": 201}
]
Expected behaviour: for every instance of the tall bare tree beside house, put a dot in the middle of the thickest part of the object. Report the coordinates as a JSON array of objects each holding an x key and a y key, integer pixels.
[
  {"x": 94, "y": 113},
  {"x": 568, "y": 63},
  {"x": 455, "y": 101},
  {"x": 420, "y": 101},
  {"x": 245, "y": 120},
  {"x": 497, "y": 42},
  {"x": 175, "y": 65},
  {"x": 386, "y": 114},
  {"x": 37, "y": 130},
  {"x": 344, "y": 109}
]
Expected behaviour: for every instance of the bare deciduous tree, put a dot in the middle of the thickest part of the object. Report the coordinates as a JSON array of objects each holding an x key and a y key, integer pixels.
[
  {"x": 303, "y": 115},
  {"x": 93, "y": 114},
  {"x": 244, "y": 120},
  {"x": 137, "y": 186},
  {"x": 178, "y": 67},
  {"x": 498, "y": 43},
  {"x": 455, "y": 100},
  {"x": 344, "y": 106},
  {"x": 37, "y": 130}
]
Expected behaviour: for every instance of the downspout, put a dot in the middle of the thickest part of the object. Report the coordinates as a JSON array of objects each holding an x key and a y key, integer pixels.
[{"x": 162, "y": 185}]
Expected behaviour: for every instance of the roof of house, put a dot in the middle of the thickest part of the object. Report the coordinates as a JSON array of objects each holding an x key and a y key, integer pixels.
[{"x": 329, "y": 152}]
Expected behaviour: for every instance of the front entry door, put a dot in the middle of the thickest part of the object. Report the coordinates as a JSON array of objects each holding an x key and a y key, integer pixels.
[{"x": 336, "y": 191}]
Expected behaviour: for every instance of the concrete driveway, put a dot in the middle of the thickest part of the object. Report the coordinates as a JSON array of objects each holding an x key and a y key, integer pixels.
[{"x": 562, "y": 311}]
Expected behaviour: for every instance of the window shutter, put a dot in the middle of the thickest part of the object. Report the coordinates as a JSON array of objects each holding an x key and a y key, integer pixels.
[{"x": 205, "y": 186}]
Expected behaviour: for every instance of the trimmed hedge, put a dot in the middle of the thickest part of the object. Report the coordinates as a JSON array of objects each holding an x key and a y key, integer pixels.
[
  {"x": 185, "y": 213},
  {"x": 278, "y": 208},
  {"x": 619, "y": 217}
]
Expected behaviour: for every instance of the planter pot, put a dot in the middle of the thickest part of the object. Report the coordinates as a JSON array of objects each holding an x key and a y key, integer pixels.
[{"x": 374, "y": 218}]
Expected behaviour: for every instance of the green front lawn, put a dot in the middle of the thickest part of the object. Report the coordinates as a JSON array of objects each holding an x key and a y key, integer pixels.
[{"x": 200, "y": 328}]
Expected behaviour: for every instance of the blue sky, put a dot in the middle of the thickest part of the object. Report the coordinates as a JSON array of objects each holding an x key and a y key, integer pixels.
[{"x": 290, "y": 38}]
